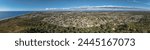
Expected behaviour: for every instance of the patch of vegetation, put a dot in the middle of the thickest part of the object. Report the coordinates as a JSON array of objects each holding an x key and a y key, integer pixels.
[{"x": 49, "y": 22}]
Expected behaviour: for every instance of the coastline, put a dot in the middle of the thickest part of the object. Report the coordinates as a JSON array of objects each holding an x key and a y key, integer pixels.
[{"x": 8, "y": 17}]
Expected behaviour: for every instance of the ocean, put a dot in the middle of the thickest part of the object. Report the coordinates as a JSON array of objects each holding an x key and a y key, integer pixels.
[{"x": 10, "y": 14}]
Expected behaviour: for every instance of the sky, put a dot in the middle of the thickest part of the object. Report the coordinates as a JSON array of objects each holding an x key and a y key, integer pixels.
[{"x": 34, "y": 5}]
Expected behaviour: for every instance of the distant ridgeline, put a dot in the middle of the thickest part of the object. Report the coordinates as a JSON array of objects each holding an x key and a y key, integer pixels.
[{"x": 78, "y": 22}]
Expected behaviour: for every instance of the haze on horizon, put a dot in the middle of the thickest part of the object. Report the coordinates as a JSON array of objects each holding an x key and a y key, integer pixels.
[{"x": 36, "y": 5}]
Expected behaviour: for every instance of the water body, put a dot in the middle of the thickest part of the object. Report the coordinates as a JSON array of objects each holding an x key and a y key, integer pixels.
[{"x": 10, "y": 14}]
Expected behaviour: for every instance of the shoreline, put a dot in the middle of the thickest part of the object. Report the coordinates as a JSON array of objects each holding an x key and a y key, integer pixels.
[{"x": 8, "y": 17}]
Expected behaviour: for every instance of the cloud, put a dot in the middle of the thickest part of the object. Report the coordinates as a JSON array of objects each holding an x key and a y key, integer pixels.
[
  {"x": 87, "y": 8},
  {"x": 57, "y": 8}
]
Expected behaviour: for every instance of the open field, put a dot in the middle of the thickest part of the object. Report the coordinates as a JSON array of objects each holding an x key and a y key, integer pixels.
[{"x": 78, "y": 22}]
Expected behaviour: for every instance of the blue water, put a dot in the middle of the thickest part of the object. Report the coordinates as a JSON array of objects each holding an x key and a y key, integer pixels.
[{"x": 10, "y": 14}]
